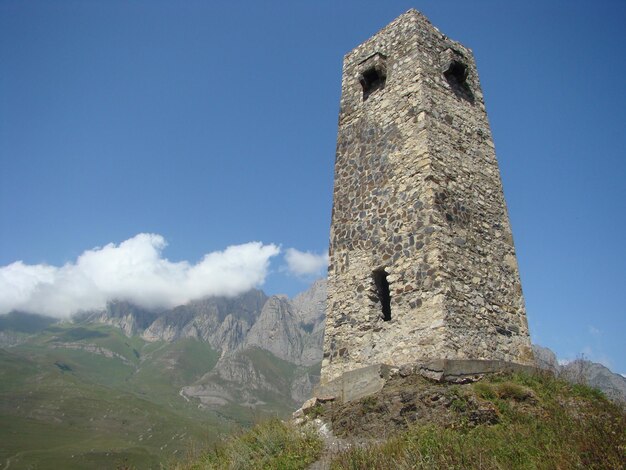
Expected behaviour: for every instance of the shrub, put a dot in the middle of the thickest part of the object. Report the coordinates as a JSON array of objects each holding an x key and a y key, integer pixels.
[
  {"x": 511, "y": 390},
  {"x": 484, "y": 390},
  {"x": 315, "y": 411}
]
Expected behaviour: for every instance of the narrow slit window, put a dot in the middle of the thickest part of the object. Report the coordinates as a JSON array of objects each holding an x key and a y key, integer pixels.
[
  {"x": 371, "y": 80},
  {"x": 383, "y": 293}
]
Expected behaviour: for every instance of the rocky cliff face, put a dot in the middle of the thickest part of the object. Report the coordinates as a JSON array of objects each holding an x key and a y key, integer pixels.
[
  {"x": 130, "y": 318},
  {"x": 310, "y": 306},
  {"x": 545, "y": 358},
  {"x": 223, "y": 322},
  {"x": 243, "y": 329},
  {"x": 277, "y": 330},
  {"x": 595, "y": 375},
  {"x": 290, "y": 329},
  {"x": 251, "y": 377}
]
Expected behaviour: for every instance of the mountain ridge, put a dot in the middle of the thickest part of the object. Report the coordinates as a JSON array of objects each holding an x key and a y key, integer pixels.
[
  {"x": 216, "y": 360},
  {"x": 290, "y": 329}
]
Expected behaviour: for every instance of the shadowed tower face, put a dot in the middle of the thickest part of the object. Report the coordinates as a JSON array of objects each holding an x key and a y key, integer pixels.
[{"x": 422, "y": 262}]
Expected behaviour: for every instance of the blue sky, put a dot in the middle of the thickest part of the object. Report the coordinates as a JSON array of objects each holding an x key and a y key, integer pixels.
[{"x": 213, "y": 124}]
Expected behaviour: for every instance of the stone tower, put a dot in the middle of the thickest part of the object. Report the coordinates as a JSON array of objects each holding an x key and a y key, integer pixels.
[{"x": 422, "y": 262}]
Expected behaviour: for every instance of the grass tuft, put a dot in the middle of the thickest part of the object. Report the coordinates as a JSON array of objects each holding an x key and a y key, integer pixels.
[
  {"x": 514, "y": 391},
  {"x": 315, "y": 411},
  {"x": 484, "y": 390},
  {"x": 269, "y": 445}
]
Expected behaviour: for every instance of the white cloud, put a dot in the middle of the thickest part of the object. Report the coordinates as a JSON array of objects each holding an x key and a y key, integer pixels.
[
  {"x": 135, "y": 271},
  {"x": 303, "y": 263}
]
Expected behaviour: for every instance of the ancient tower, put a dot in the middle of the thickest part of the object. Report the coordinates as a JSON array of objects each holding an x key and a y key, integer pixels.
[{"x": 422, "y": 262}]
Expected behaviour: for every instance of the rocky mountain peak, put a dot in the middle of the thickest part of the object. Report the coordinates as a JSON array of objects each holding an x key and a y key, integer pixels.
[
  {"x": 277, "y": 330},
  {"x": 290, "y": 329},
  {"x": 310, "y": 305}
]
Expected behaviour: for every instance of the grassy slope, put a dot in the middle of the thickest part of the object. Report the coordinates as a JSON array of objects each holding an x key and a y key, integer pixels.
[
  {"x": 270, "y": 445},
  {"x": 24, "y": 322},
  {"x": 65, "y": 404},
  {"x": 534, "y": 422},
  {"x": 62, "y": 408},
  {"x": 541, "y": 423},
  {"x": 279, "y": 373},
  {"x": 269, "y": 392}
]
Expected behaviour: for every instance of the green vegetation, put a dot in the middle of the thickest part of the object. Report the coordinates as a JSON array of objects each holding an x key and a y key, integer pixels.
[
  {"x": 275, "y": 368},
  {"x": 86, "y": 396},
  {"x": 89, "y": 397},
  {"x": 541, "y": 423},
  {"x": 369, "y": 404},
  {"x": 315, "y": 411},
  {"x": 170, "y": 367},
  {"x": 503, "y": 390},
  {"x": 57, "y": 420},
  {"x": 24, "y": 322},
  {"x": 271, "y": 445},
  {"x": 75, "y": 334}
]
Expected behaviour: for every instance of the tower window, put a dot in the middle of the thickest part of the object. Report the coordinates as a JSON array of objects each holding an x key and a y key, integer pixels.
[
  {"x": 371, "y": 80},
  {"x": 456, "y": 72},
  {"x": 456, "y": 76},
  {"x": 382, "y": 292}
]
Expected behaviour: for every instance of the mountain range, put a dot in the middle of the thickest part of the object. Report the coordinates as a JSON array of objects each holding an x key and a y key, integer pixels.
[{"x": 138, "y": 386}]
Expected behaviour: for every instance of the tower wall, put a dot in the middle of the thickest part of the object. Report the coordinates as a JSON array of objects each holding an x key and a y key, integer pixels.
[{"x": 418, "y": 206}]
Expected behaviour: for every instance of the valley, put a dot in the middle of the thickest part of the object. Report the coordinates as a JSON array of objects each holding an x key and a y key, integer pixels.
[{"x": 126, "y": 387}]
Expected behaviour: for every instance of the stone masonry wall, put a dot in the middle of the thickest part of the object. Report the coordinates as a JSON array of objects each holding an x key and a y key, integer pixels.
[{"x": 418, "y": 196}]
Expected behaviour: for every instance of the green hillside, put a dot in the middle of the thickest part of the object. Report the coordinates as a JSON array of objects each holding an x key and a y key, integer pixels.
[
  {"x": 86, "y": 396},
  {"x": 21, "y": 322},
  {"x": 52, "y": 418},
  {"x": 502, "y": 422}
]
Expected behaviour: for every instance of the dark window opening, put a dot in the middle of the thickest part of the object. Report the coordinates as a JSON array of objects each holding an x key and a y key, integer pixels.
[
  {"x": 456, "y": 76},
  {"x": 457, "y": 72},
  {"x": 382, "y": 292},
  {"x": 371, "y": 80}
]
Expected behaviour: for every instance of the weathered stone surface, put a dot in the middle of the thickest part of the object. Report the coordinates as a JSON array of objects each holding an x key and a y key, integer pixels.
[
  {"x": 422, "y": 262},
  {"x": 277, "y": 330},
  {"x": 365, "y": 381},
  {"x": 130, "y": 318},
  {"x": 354, "y": 384},
  {"x": 309, "y": 306}
]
